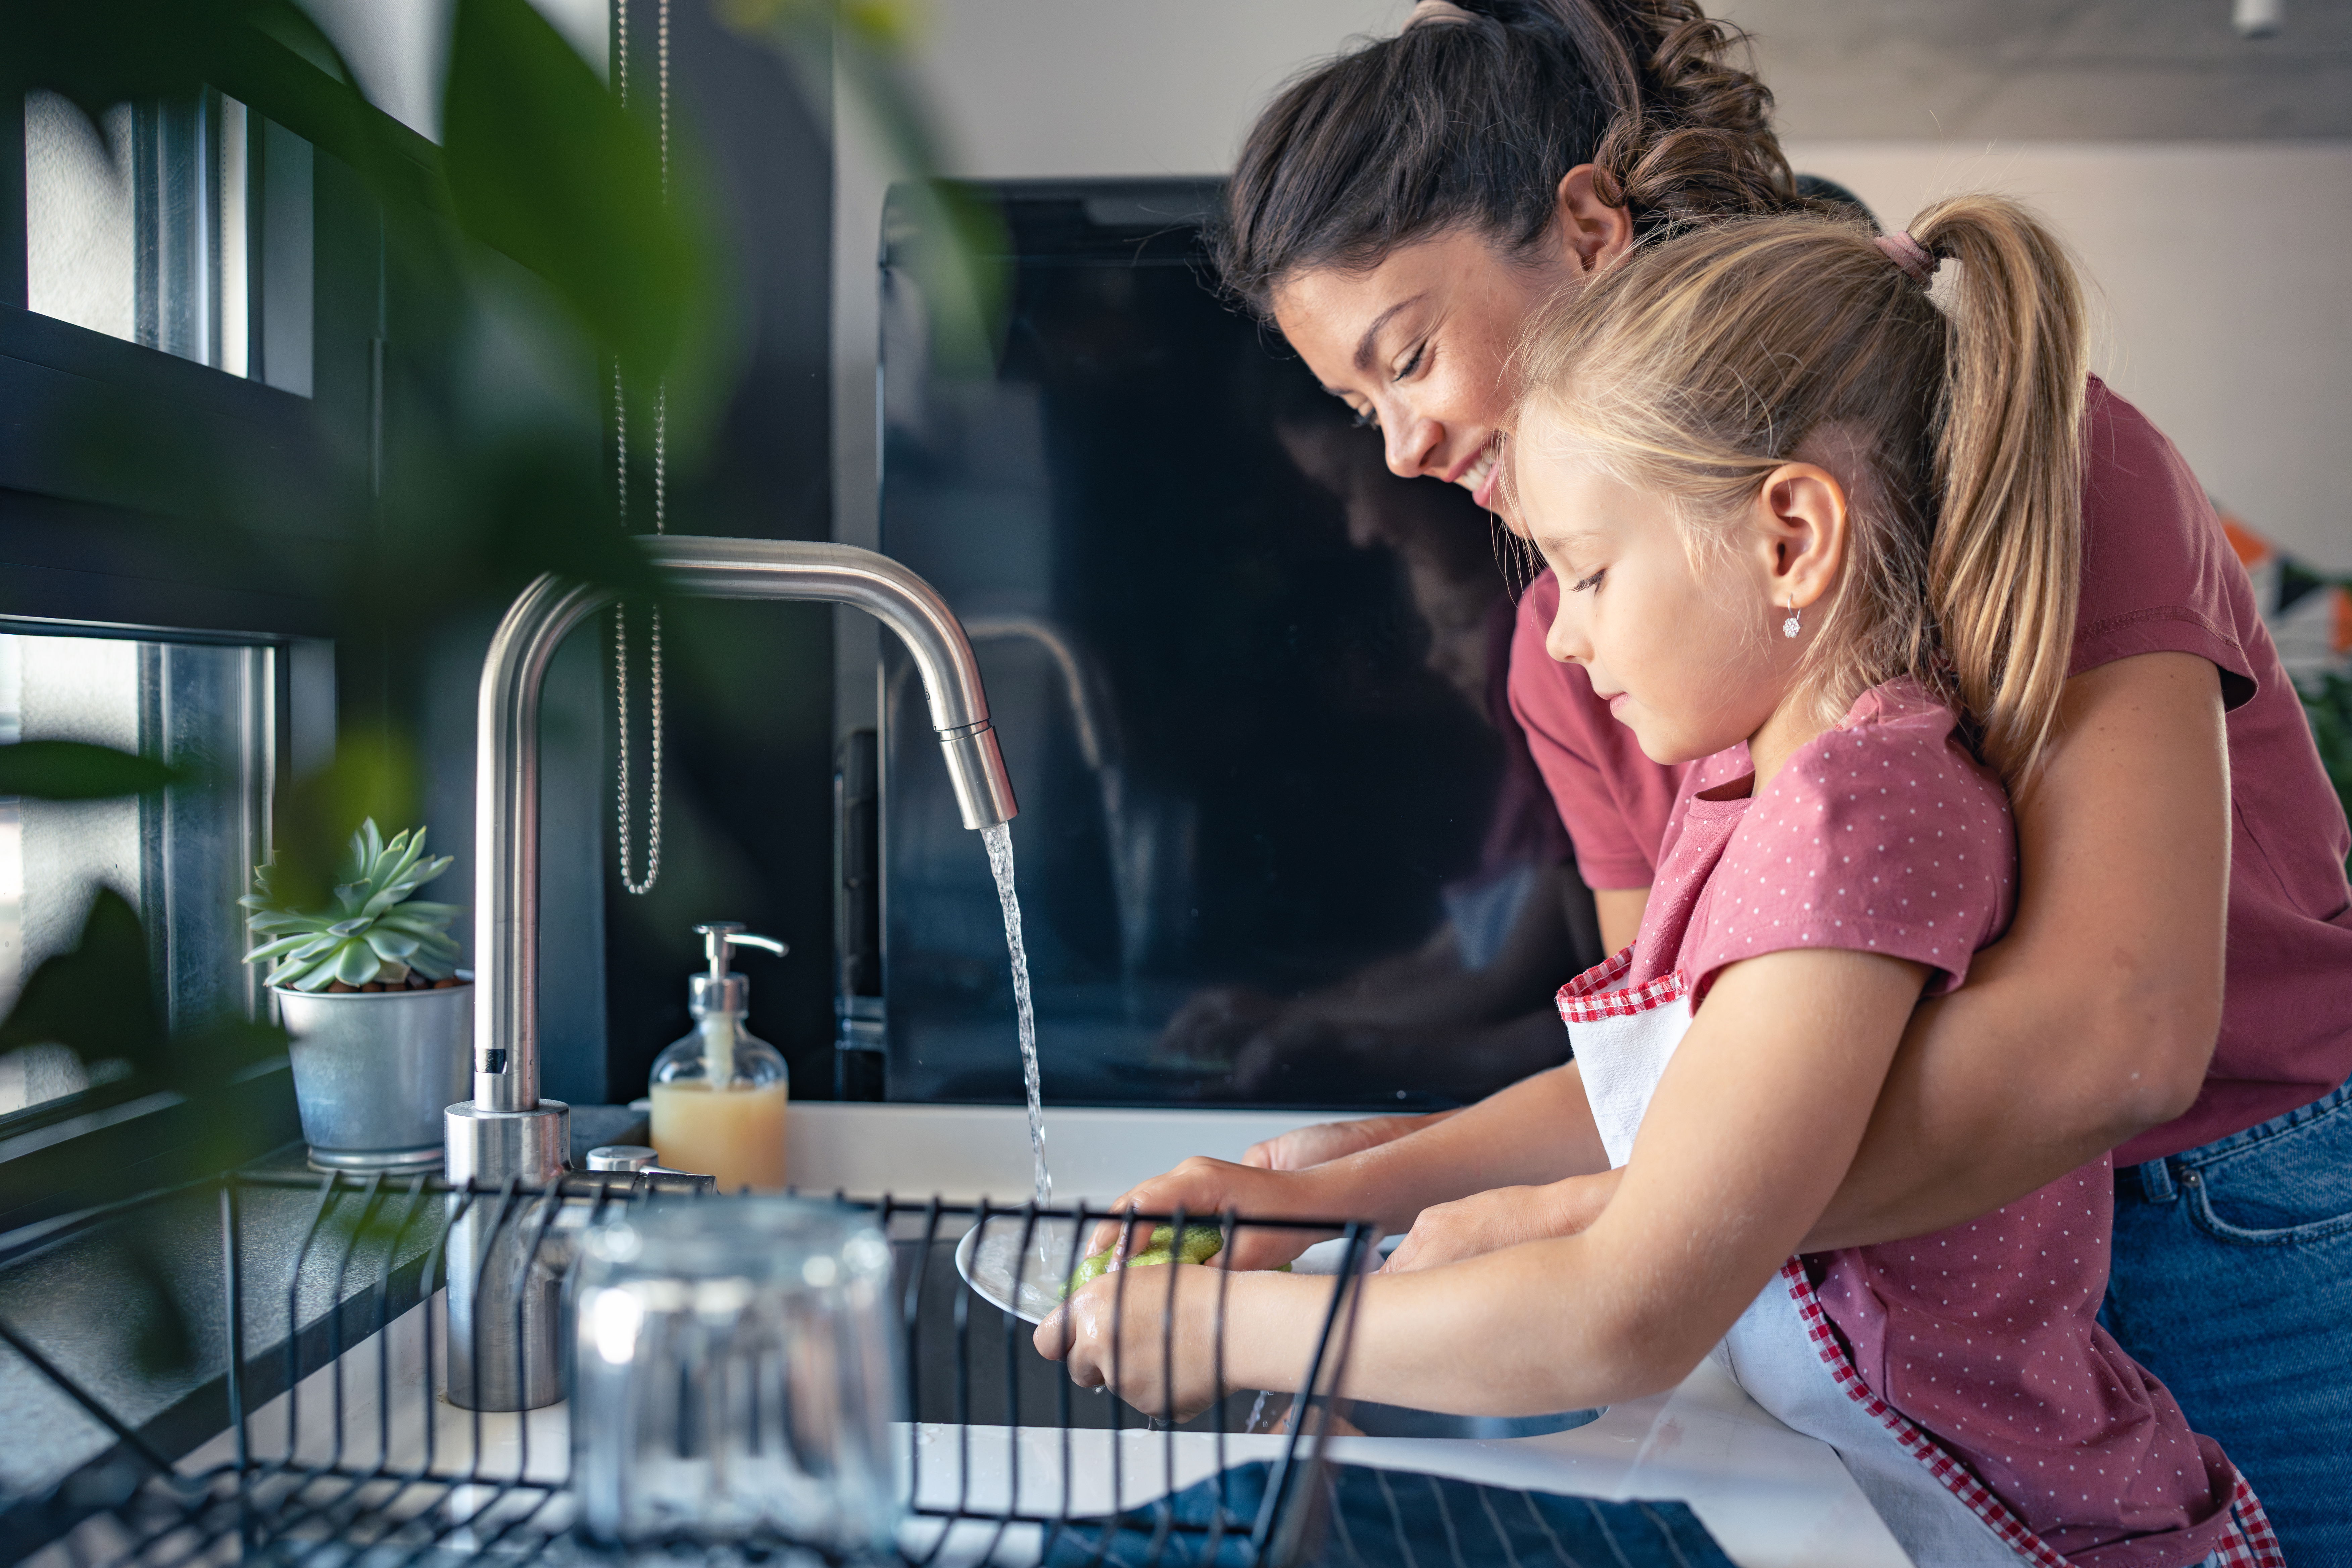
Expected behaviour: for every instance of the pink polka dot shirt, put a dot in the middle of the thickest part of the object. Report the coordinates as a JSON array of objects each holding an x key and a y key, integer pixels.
[{"x": 1885, "y": 834}]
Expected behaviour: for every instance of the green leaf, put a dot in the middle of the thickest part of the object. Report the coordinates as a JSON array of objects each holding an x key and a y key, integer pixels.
[
  {"x": 271, "y": 923},
  {"x": 94, "y": 1000},
  {"x": 356, "y": 964},
  {"x": 544, "y": 165},
  {"x": 281, "y": 947},
  {"x": 392, "y": 944},
  {"x": 73, "y": 770},
  {"x": 294, "y": 968},
  {"x": 403, "y": 855}
]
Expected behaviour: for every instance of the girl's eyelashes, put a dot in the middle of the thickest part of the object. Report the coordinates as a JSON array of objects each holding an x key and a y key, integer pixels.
[
  {"x": 1412, "y": 364},
  {"x": 1591, "y": 581}
]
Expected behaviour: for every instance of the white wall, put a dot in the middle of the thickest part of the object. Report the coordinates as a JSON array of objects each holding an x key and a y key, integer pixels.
[{"x": 2218, "y": 267}]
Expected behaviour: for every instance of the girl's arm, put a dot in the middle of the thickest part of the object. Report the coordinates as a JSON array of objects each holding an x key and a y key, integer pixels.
[
  {"x": 2095, "y": 1017},
  {"x": 1757, "y": 1118}
]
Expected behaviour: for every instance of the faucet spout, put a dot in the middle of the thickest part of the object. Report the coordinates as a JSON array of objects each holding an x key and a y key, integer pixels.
[
  {"x": 841, "y": 575},
  {"x": 506, "y": 1132}
]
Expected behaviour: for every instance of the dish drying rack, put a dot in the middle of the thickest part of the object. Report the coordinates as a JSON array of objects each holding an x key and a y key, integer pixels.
[{"x": 336, "y": 1453}]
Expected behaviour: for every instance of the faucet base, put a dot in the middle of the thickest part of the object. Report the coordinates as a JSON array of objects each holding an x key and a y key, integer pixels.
[
  {"x": 506, "y": 1299},
  {"x": 494, "y": 1147}
]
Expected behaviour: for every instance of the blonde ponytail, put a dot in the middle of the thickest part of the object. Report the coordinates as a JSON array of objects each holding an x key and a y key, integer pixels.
[
  {"x": 2005, "y": 568},
  {"x": 1708, "y": 359}
]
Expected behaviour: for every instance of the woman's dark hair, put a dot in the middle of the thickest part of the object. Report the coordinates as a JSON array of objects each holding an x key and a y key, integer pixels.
[{"x": 1470, "y": 120}]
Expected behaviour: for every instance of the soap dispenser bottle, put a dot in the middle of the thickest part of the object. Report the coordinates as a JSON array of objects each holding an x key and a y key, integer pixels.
[{"x": 718, "y": 1094}]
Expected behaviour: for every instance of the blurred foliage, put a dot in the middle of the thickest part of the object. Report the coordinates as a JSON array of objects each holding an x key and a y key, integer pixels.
[
  {"x": 2328, "y": 702},
  {"x": 533, "y": 255},
  {"x": 374, "y": 774},
  {"x": 959, "y": 249},
  {"x": 75, "y": 769},
  {"x": 524, "y": 264},
  {"x": 79, "y": 1000}
]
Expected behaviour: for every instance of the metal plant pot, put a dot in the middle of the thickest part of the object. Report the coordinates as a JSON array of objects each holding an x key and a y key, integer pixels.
[{"x": 373, "y": 1071}]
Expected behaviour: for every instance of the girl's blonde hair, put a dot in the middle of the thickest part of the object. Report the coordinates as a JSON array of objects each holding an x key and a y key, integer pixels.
[{"x": 1707, "y": 359}]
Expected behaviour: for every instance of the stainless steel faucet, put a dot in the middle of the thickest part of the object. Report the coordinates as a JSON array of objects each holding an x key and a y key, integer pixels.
[{"x": 504, "y": 1303}]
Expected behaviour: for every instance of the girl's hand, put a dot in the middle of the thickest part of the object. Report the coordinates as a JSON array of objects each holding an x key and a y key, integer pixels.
[
  {"x": 1119, "y": 1340},
  {"x": 1206, "y": 1188},
  {"x": 1491, "y": 1221}
]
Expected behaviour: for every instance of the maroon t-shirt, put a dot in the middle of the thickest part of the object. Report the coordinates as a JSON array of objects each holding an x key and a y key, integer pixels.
[{"x": 2158, "y": 575}]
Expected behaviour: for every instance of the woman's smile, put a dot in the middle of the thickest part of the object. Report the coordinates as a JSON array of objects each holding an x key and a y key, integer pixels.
[{"x": 1478, "y": 476}]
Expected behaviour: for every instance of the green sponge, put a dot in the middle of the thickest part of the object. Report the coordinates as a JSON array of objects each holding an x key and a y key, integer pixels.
[{"x": 1201, "y": 1243}]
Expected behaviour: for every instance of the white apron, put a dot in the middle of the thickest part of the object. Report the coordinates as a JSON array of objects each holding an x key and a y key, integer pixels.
[{"x": 1781, "y": 1350}]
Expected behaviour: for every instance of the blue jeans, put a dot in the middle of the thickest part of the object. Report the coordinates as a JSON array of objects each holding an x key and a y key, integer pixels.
[{"x": 2232, "y": 1282}]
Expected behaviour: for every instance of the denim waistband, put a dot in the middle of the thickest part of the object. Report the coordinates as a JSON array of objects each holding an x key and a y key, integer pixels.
[{"x": 2156, "y": 1180}]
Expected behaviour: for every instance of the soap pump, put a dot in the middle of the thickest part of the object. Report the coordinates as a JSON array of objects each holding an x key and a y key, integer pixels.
[{"x": 718, "y": 1094}]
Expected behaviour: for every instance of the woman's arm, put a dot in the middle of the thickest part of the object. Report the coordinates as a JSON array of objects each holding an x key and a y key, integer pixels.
[
  {"x": 1538, "y": 1130},
  {"x": 1765, "y": 1098},
  {"x": 2094, "y": 1018}
]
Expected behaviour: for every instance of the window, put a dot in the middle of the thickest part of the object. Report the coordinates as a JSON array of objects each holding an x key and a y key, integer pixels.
[
  {"x": 182, "y": 857},
  {"x": 181, "y": 224}
]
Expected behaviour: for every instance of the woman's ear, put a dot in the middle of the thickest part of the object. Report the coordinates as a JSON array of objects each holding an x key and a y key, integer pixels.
[
  {"x": 1592, "y": 234},
  {"x": 1801, "y": 512}
]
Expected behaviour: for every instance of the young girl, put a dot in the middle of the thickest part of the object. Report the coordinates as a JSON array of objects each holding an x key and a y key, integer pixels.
[{"x": 1819, "y": 536}]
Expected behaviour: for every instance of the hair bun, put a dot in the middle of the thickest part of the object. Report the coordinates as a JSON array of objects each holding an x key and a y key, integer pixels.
[{"x": 1702, "y": 147}]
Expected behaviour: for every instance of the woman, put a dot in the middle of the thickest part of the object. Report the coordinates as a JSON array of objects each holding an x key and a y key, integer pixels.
[{"x": 1399, "y": 214}]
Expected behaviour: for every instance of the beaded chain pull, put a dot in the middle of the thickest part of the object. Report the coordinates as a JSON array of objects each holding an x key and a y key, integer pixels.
[{"x": 661, "y": 497}]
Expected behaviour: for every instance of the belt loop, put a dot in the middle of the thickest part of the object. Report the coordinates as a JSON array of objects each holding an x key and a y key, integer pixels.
[{"x": 2156, "y": 1181}]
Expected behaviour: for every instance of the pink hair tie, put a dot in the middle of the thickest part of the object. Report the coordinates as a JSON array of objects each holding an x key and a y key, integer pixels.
[
  {"x": 1436, "y": 11},
  {"x": 1908, "y": 254}
]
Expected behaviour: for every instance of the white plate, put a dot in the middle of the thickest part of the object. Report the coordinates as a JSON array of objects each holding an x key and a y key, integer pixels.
[{"x": 986, "y": 1262}]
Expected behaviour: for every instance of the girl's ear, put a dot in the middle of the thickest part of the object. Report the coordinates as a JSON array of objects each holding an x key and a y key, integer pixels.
[
  {"x": 1592, "y": 234},
  {"x": 1800, "y": 510}
]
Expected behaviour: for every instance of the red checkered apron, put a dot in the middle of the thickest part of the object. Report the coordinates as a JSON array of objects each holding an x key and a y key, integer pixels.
[{"x": 1782, "y": 1351}]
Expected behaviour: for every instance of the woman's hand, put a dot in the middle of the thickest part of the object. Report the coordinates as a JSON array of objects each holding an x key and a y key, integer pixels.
[
  {"x": 1205, "y": 1189},
  {"x": 1304, "y": 1146},
  {"x": 1490, "y": 1221}
]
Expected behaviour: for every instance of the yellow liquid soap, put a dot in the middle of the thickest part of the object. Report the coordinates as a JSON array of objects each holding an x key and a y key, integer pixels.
[{"x": 736, "y": 1134}]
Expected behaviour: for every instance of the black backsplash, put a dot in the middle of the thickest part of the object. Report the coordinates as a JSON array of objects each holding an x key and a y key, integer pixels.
[{"x": 1237, "y": 767}]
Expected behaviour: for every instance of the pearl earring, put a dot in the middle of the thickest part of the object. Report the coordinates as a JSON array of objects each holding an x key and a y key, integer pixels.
[{"x": 1790, "y": 627}]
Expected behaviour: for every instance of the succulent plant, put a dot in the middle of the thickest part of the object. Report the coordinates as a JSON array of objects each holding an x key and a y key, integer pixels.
[{"x": 374, "y": 932}]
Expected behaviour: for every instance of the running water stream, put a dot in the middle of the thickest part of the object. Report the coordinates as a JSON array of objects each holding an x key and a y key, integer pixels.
[{"x": 999, "y": 840}]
